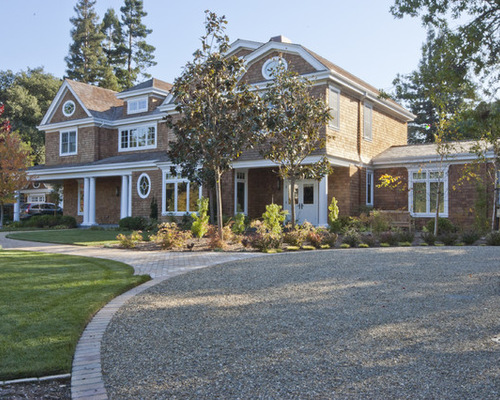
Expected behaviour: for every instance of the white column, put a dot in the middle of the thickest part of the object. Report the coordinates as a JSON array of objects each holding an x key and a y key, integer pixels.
[
  {"x": 17, "y": 206},
  {"x": 323, "y": 201},
  {"x": 86, "y": 201},
  {"x": 92, "y": 201},
  {"x": 129, "y": 211},
  {"x": 124, "y": 197}
]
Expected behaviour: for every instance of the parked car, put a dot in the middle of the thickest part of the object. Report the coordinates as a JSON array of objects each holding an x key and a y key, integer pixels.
[{"x": 30, "y": 209}]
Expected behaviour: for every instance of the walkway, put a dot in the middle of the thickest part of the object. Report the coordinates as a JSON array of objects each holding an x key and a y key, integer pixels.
[{"x": 86, "y": 379}]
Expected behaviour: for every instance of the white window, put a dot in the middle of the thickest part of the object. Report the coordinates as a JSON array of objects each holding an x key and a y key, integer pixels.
[
  {"x": 369, "y": 188},
  {"x": 144, "y": 186},
  {"x": 68, "y": 108},
  {"x": 334, "y": 104},
  {"x": 425, "y": 185},
  {"x": 179, "y": 195},
  {"x": 137, "y": 138},
  {"x": 36, "y": 198},
  {"x": 135, "y": 106},
  {"x": 241, "y": 193},
  {"x": 367, "y": 121},
  {"x": 68, "y": 143},
  {"x": 80, "y": 198}
]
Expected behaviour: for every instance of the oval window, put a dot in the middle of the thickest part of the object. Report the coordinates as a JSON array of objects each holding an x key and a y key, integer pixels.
[
  {"x": 69, "y": 108},
  {"x": 144, "y": 186}
]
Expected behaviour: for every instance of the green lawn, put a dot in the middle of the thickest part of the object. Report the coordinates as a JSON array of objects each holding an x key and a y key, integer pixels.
[
  {"x": 46, "y": 300},
  {"x": 83, "y": 237}
]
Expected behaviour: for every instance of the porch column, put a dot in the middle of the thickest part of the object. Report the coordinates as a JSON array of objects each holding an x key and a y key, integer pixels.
[
  {"x": 124, "y": 197},
  {"x": 129, "y": 210},
  {"x": 91, "y": 219},
  {"x": 86, "y": 201},
  {"x": 323, "y": 201},
  {"x": 17, "y": 206}
]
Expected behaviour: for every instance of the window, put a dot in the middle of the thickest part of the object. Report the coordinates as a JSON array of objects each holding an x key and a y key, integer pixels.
[
  {"x": 367, "y": 121},
  {"x": 36, "y": 198},
  {"x": 334, "y": 104},
  {"x": 425, "y": 186},
  {"x": 369, "y": 188},
  {"x": 80, "y": 198},
  {"x": 143, "y": 186},
  {"x": 137, "y": 105},
  {"x": 138, "y": 138},
  {"x": 68, "y": 143},
  {"x": 68, "y": 108},
  {"x": 179, "y": 195},
  {"x": 240, "y": 205}
]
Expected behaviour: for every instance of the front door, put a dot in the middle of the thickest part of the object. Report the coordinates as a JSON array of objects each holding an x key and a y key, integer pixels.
[{"x": 305, "y": 194}]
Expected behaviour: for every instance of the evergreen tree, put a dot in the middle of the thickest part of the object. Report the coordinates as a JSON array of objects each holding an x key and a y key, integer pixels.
[
  {"x": 139, "y": 54},
  {"x": 114, "y": 48},
  {"x": 86, "y": 60}
]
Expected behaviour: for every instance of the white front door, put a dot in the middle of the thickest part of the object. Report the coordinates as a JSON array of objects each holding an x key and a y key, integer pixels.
[{"x": 306, "y": 200}]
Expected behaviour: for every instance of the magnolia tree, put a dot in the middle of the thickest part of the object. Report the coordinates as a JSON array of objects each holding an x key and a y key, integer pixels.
[
  {"x": 14, "y": 160},
  {"x": 294, "y": 123},
  {"x": 218, "y": 115}
]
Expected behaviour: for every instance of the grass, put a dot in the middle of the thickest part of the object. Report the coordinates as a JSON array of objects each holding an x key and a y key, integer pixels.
[
  {"x": 82, "y": 237},
  {"x": 46, "y": 300}
]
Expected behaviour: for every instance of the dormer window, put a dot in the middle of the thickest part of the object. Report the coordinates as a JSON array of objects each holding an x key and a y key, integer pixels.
[
  {"x": 138, "y": 105},
  {"x": 137, "y": 138}
]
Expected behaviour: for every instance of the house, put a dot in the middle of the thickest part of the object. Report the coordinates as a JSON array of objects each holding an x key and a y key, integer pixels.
[{"x": 108, "y": 149}]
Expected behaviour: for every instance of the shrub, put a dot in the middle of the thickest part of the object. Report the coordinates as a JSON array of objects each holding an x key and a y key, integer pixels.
[
  {"x": 130, "y": 241},
  {"x": 369, "y": 240},
  {"x": 448, "y": 239},
  {"x": 352, "y": 238},
  {"x": 273, "y": 218},
  {"x": 470, "y": 237},
  {"x": 345, "y": 246},
  {"x": 200, "y": 224},
  {"x": 153, "y": 209},
  {"x": 239, "y": 224},
  {"x": 264, "y": 239},
  {"x": 379, "y": 222},
  {"x": 215, "y": 241},
  {"x": 444, "y": 226},
  {"x": 133, "y": 223},
  {"x": 294, "y": 237},
  {"x": 384, "y": 244},
  {"x": 429, "y": 238},
  {"x": 363, "y": 245},
  {"x": 493, "y": 238},
  {"x": 405, "y": 244},
  {"x": 389, "y": 237},
  {"x": 333, "y": 213},
  {"x": 325, "y": 246},
  {"x": 169, "y": 236},
  {"x": 406, "y": 236},
  {"x": 308, "y": 248},
  {"x": 186, "y": 222},
  {"x": 328, "y": 238},
  {"x": 293, "y": 248},
  {"x": 49, "y": 221},
  {"x": 314, "y": 238}
]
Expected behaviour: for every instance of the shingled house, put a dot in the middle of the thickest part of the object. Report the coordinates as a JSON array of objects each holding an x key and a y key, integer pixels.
[{"x": 109, "y": 149}]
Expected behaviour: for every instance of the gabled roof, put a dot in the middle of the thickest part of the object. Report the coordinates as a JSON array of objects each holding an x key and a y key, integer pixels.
[{"x": 151, "y": 86}]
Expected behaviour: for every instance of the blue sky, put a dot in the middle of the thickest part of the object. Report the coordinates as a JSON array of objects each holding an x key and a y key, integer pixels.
[{"x": 360, "y": 36}]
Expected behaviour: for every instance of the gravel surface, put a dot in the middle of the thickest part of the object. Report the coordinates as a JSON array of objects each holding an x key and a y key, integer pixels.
[{"x": 406, "y": 323}]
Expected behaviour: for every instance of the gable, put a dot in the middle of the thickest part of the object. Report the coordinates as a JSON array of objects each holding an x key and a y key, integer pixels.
[
  {"x": 58, "y": 114},
  {"x": 295, "y": 63}
]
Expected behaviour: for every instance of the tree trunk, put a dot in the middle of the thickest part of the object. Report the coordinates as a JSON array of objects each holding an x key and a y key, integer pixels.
[
  {"x": 1, "y": 215},
  {"x": 292, "y": 197},
  {"x": 218, "y": 197},
  {"x": 211, "y": 202},
  {"x": 436, "y": 218}
]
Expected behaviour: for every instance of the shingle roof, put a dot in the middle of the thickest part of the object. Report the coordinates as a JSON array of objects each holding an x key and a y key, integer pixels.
[{"x": 151, "y": 83}]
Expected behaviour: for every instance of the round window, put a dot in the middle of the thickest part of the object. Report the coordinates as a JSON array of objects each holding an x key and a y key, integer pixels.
[
  {"x": 69, "y": 108},
  {"x": 144, "y": 186},
  {"x": 36, "y": 185},
  {"x": 270, "y": 66}
]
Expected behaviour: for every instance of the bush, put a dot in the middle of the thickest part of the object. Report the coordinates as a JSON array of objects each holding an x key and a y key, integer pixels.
[
  {"x": 389, "y": 237},
  {"x": 379, "y": 222},
  {"x": 444, "y": 226},
  {"x": 130, "y": 241},
  {"x": 153, "y": 209},
  {"x": 264, "y": 239},
  {"x": 470, "y": 237},
  {"x": 363, "y": 246},
  {"x": 448, "y": 239},
  {"x": 345, "y": 246},
  {"x": 133, "y": 223},
  {"x": 369, "y": 240},
  {"x": 328, "y": 238},
  {"x": 315, "y": 238},
  {"x": 429, "y": 238},
  {"x": 406, "y": 236},
  {"x": 294, "y": 237},
  {"x": 200, "y": 224},
  {"x": 169, "y": 236},
  {"x": 186, "y": 222},
  {"x": 49, "y": 221},
  {"x": 239, "y": 224},
  {"x": 273, "y": 218},
  {"x": 333, "y": 214},
  {"x": 493, "y": 238},
  {"x": 351, "y": 237}
]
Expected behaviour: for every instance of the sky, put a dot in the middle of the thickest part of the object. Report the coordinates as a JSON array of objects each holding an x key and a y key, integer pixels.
[{"x": 360, "y": 36}]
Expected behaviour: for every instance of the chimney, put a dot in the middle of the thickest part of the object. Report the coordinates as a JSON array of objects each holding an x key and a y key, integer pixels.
[{"x": 280, "y": 38}]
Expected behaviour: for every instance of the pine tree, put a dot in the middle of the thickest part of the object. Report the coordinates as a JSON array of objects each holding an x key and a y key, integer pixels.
[
  {"x": 114, "y": 48},
  {"x": 139, "y": 54},
  {"x": 86, "y": 59}
]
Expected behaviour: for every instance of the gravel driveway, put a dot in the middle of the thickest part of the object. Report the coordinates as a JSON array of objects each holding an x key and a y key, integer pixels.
[{"x": 414, "y": 323}]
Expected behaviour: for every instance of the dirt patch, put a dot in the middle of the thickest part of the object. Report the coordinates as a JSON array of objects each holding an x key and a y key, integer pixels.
[{"x": 46, "y": 390}]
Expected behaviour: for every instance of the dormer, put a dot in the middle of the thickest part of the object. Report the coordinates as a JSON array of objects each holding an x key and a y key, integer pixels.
[{"x": 144, "y": 97}]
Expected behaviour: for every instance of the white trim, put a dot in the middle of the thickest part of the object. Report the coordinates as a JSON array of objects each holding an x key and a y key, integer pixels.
[
  {"x": 236, "y": 181},
  {"x": 263, "y": 163},
  {"x": 102, "y": 123},
  {"x": 80, "y": 193},
  {"x": 137, "y": 101},
  {"x": 243, "y": 44},
  {"x": 369, "y": 190},
  {"x": 139, "y": 192},
  {"x": 427, "y": 170},
  {"x": 140, "y": 92},
  {"x": 68, "y": 102},
  {"x": 270, "y": 75},
  {"x": 131, "y": 127},
  {"x": 176, "y": 180},
  {"x": 68, "y": 153}
]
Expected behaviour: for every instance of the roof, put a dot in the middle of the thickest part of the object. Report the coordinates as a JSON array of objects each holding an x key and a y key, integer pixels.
[{"x": 151, "y": 83}]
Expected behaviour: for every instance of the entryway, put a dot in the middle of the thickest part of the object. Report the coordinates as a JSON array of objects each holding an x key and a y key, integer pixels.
[{"x": 306, "y": 200}]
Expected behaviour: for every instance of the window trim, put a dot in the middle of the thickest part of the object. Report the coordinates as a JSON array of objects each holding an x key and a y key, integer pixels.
[
  {"x": 428, "y": 180},
  {"x": 335, "y": 121},
  {"x": 176, "y": 180},
  {"x": 367, "y": 105},
  {"x": 141, "y": 195},
  {"x": 369, "y": 173},
  {"x": 137, "y": 100},
  {"x": 61, "y": 133},
  {"x": 129, "y": 128},
  {"x": 245, "y": 181},
  {"x": 68, "y": 102}
]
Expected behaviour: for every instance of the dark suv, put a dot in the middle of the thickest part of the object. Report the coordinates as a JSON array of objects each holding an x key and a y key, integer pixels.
[{"x": 30, "y": 209}]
